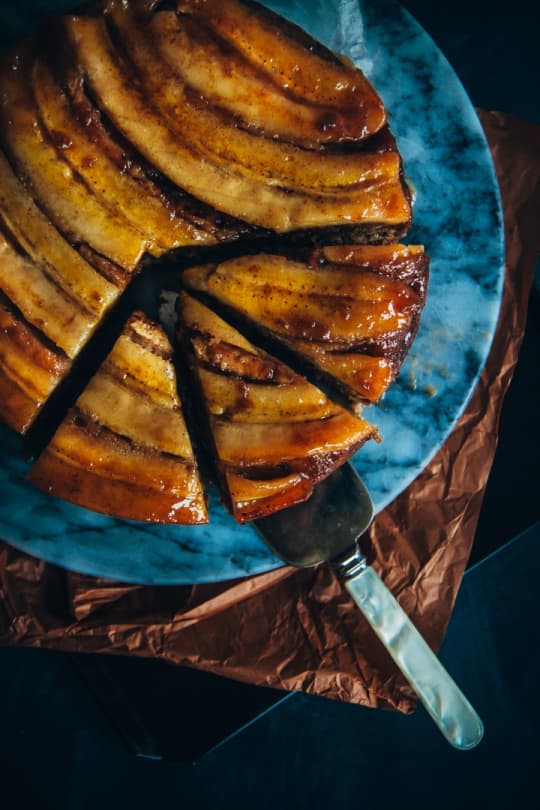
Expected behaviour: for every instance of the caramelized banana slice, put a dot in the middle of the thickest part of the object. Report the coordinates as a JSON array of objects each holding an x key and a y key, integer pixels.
[
  {"x": 211, "y": 161},
  {"x": 43, "y": 303},
  {"x": 124, "y": 449},
  {"x": 352, "y": 312},
  {"x": 30, "y": 368},
  {"x": 147, "y": 213},
  {"x": 56, "y": 187},
  {"x": 38, "y": 238},
  {"x": 179, "y": 219},
  {"x": 300, "y": 67},
  {"x": 274, "y": 434},
  {"x": 52, "y": 299},
  {"x": 226, "y": 77},
  {"x": 219, "y": 138}
]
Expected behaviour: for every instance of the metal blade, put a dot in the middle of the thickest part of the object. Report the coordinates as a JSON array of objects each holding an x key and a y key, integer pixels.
[{"x": 324, "y": 526}]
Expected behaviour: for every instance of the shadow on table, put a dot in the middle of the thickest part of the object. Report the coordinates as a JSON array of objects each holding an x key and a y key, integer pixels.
[{"x": 78, "y": 732}]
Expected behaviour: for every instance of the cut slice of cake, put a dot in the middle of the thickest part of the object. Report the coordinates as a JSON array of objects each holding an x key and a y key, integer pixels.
[
  {"x": 351, "y": 312},
  {"x": 273, "y": 434},
  {"x": 124, "y": 448}
]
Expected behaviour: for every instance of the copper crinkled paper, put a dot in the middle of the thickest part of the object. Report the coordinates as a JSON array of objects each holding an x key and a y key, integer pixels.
[{"x": 298, "y": 630}]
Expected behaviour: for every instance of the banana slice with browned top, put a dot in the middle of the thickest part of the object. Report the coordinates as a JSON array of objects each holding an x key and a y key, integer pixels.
[
  {"x": 58, "y": 188},
  {"x": 276, "y": 61},
  {"x": 131, "y": 197},
  {"x": 228, "y": 79},
  {"x": 274, "y": 435},
  {"x": 214, "y": 145},
  {"x": 350, "y": 311},
  {"x": 124, "y": 448},
  {"x": 51, "y": 301},
  {"x": 134, "y": 128}
]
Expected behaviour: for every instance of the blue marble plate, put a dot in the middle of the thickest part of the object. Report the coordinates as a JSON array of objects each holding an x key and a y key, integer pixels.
[{"x": 457, "y": 217}]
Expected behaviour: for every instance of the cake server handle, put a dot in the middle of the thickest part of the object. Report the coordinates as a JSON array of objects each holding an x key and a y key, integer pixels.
[{"x": 442, "y": 698}]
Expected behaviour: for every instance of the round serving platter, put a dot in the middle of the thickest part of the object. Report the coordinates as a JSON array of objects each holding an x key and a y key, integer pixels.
[{"x": 457, "y": 216}]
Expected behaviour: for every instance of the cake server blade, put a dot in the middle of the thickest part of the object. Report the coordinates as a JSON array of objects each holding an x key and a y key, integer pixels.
[{"x": 326, "y": 529}]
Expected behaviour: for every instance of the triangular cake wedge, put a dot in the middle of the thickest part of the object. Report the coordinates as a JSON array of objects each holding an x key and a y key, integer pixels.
[
  {"x": 124, "y": 449},
  {"x": 351, "y": 312},
  {"x": 274, "y": 435}
]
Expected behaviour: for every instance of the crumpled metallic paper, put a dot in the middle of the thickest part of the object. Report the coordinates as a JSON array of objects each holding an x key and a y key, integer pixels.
[{"x": 299, "y": 630}]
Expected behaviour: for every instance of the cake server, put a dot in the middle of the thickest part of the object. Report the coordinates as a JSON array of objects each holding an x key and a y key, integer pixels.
[{"x": 326, "y": 529}]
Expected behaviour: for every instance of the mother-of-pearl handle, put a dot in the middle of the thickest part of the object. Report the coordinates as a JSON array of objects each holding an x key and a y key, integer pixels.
[{"x": 442, "y": 698}]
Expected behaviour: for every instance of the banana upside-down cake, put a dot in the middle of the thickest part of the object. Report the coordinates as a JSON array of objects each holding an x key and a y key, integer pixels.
[{"x": 140, "y": 132}]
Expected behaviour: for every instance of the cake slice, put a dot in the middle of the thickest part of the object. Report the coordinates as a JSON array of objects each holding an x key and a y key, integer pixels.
[
  {"x": 273, "y": 434},
  {"x": 351, "y": 312},
  {"x": 124, "y": 449}
]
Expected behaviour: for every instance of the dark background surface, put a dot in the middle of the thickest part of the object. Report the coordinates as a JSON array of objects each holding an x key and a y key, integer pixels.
[{"x": 85, "y": 732}]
